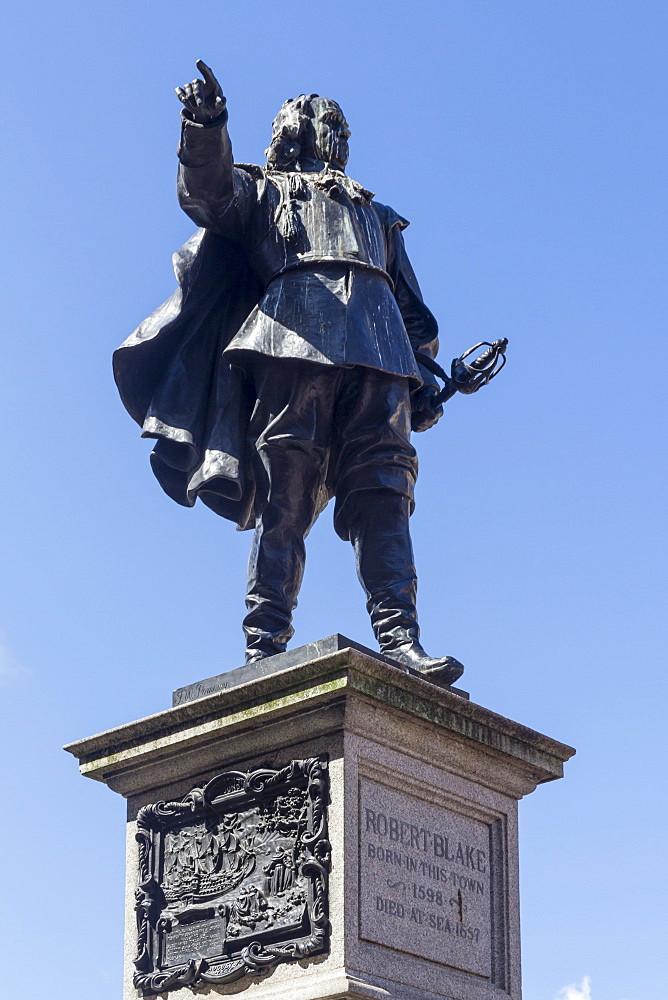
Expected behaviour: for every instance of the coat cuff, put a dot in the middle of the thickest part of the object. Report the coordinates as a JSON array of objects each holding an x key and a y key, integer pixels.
[
  {"x": 214, "y": 123},
  {"x": 202, "y": 145}
]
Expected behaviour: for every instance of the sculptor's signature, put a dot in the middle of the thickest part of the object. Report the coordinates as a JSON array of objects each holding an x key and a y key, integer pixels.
[{"x": 196, "y": 691}]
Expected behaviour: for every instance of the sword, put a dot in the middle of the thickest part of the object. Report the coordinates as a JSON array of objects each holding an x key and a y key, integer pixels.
[{"x": 467, "y": 377}]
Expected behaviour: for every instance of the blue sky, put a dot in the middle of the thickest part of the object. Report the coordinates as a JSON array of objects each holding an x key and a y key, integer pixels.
[{"x": 526, "y": 143}]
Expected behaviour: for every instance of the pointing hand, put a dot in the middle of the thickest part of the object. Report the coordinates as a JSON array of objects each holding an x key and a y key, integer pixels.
[{"x": 202, "y": 99}]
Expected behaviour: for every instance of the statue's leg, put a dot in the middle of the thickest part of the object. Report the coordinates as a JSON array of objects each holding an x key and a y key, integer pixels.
[
  {"x": 277, "y": 557},
  {"x": 376, "y": 472},
  {"x": 378, "y": 525},
  {"x": 379, "y": 532},
  {"x": 289, "y": 444}
]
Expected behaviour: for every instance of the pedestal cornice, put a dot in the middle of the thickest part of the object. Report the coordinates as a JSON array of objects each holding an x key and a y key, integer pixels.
[{"x": 317, "y": 696}]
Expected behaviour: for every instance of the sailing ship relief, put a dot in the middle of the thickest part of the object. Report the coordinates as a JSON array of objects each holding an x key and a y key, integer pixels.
[{"x": 233, "y": 878}]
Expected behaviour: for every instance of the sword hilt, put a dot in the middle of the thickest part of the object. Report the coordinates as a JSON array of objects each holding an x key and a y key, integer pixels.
[{"x": 468, "y": 378}]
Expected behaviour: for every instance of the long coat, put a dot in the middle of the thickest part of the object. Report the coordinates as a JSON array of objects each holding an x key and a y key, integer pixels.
[{"x": 176, "y": 383}]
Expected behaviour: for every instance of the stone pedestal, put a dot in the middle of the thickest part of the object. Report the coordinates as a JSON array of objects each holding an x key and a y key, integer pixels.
[{"x": 419, "y": 897}]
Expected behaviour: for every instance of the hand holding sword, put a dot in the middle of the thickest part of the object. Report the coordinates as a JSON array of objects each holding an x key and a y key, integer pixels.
[{"x": 464, "y": 377}]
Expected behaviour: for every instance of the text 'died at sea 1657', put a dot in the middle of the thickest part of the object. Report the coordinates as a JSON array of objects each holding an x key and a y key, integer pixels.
[{"x": 424, "y": 879}]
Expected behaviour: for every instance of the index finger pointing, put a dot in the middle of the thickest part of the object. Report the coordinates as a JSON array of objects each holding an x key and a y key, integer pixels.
[{"x": 209, "y": 79}]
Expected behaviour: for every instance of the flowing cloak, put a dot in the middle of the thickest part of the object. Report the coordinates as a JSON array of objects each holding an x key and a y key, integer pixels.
[{"x": 174, "y": 381}]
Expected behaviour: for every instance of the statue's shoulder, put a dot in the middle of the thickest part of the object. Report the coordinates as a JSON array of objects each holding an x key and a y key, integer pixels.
[
  {"x": 253, "y": 170},
  {"x": 389, "y": 217},
  {"x": 252, "y": 179}
]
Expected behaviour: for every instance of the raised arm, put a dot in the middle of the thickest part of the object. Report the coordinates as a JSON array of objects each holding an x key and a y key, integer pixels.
[{"x": 206, "y": 172}]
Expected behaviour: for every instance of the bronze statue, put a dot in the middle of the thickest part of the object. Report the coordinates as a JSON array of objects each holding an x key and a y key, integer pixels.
[{"x": 291, "y": 365}]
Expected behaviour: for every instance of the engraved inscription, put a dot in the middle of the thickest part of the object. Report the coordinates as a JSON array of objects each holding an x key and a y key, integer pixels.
[
  {"x": 424, "y": 879},
  {"x": 199, "y": 690},
  {"x": 192, "y": 941}
]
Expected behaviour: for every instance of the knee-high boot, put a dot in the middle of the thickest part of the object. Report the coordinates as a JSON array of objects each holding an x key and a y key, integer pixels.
[
  {"x": 278, "y": 554},
  {"x": 275, "y": 571},
  {"x": 379, "y": 531}
]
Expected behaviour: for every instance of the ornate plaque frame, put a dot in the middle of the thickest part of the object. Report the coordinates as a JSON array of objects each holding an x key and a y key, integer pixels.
[{"x": 233, "y": 878}]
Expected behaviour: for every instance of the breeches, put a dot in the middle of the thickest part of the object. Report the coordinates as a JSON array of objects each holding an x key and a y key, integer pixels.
[{"x": 317, "y": 432}]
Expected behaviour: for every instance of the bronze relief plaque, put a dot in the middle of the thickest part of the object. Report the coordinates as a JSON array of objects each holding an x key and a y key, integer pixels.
[{"x": 233, "y": 878}]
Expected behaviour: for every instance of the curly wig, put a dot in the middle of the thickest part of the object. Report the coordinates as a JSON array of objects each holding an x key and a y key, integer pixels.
[{"x": 292, "y": 133}]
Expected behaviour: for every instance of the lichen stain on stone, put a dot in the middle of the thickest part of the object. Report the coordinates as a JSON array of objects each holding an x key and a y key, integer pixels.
[{"x": 250, "y": 713}]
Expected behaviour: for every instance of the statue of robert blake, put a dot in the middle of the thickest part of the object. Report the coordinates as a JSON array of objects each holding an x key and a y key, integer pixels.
[{"x": 289, "y": 366}]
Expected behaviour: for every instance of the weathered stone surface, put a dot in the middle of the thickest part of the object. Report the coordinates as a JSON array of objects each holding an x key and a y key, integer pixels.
[
  {"x": 425, "y": 879},
  {"x": 264, "y": 712},
  {"x": 272, "y": 664},
  {"x": 447, "y": 769}
]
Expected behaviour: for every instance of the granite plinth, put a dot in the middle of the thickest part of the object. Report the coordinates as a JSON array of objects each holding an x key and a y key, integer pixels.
[
  {"x": 290, "y": 658},
  {"x": 422, "y": 819}
]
